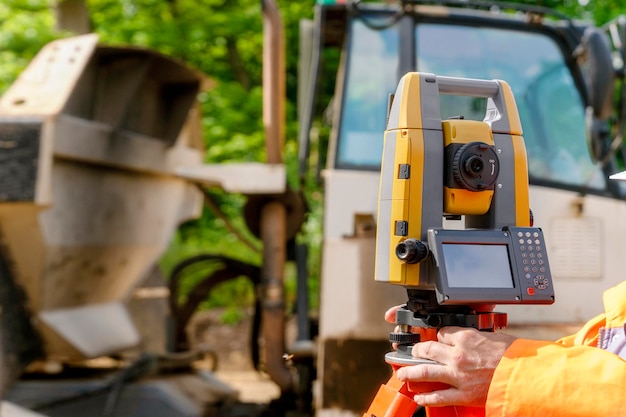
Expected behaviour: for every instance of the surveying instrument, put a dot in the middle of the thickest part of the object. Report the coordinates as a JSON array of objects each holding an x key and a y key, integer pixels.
[{"x": 474, "y": 174}]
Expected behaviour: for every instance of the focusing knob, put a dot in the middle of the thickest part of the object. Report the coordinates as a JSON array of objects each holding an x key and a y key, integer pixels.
[
  {"x": 475, "y": 166},
  {"x": 412, "y": 251},
  {"x": 404, "y": 338}
]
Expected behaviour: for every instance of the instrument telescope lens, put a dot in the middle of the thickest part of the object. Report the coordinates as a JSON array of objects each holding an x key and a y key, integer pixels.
[{"x": 474, "y": 165}]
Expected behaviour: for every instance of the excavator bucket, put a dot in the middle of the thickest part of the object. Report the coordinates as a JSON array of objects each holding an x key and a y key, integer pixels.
[{"x": 91, "y": 140}]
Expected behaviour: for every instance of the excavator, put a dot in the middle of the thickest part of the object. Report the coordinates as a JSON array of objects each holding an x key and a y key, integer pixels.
[{"x": 88, "y": 166}]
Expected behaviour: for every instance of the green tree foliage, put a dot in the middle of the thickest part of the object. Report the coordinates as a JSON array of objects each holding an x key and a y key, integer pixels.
[
  {"x": 224, "y": 40},
  {"x": 599, "y": 11},
  {"x": 25, "y": 27}
]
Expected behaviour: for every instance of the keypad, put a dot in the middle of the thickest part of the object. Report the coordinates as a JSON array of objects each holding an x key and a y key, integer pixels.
[{"x": 530, "y": 248}]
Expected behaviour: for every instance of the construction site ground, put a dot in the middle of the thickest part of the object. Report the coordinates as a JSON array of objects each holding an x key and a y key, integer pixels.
[{"x": 231, "y": 345}]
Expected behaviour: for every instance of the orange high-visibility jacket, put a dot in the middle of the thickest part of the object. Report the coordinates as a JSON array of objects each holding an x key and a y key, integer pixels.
[{"x": 579, "y": 375}]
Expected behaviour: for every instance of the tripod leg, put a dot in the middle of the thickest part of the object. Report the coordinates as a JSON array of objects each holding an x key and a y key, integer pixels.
[
  {"x": 395, "y": 399},
  {"x": 450, "y": 411},
  {"x": 392, "y": 400}
]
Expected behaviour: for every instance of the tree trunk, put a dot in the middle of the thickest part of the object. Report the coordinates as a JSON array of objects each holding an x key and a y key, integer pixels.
[{"x": 73, "y": 16}]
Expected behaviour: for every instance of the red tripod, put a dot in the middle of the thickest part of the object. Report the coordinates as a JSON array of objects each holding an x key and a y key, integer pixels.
[{"x": 395, "y": 398}]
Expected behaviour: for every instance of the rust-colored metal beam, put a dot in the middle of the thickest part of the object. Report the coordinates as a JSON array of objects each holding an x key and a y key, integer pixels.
[
  {"x": 273, "y": 82},
  {"x": 273, "y": 214}
]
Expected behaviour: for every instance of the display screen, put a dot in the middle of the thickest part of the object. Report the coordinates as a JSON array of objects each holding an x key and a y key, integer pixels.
[{"x": 477, "y": 266}]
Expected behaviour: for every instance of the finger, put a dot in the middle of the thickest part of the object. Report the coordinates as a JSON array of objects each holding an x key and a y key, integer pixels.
[
  {"x": 450, "y": 335},
  {"x": 390, "y": 315},
  {"x": 451, "y": 396},
  {"x": 425, "y": 373},
  {"x": 435, "y": 351}
]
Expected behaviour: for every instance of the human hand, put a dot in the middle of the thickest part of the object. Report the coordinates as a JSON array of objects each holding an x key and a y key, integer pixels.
[{"x": 467, "y": 361}]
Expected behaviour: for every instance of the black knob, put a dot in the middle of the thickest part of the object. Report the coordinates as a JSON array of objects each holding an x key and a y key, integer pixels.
[
  {"x": 404, "y": 338},
  {"x": 411, "y": 251}
]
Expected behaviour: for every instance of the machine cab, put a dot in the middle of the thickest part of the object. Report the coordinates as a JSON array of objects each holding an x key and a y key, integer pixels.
[{"x": 581, "y": 212}]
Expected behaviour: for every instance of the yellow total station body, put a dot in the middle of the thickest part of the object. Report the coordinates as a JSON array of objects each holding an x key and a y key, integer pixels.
[{"x": 433, "y": 167}]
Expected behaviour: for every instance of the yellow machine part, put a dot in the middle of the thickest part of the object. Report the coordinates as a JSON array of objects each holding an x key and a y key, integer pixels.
[
  {"x": 409, "y": 151},
  {"x": 460, "y": 200}
]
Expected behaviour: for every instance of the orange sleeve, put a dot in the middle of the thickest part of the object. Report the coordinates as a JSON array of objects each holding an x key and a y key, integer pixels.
[
  {"x": 545, "y": 379},
  {"x": 587, "y": 335}
]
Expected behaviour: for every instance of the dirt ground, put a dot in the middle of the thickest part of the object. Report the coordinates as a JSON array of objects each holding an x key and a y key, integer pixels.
[
  {"x": 231, "y": 348},
  {"x": 229, "y": 342}
]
